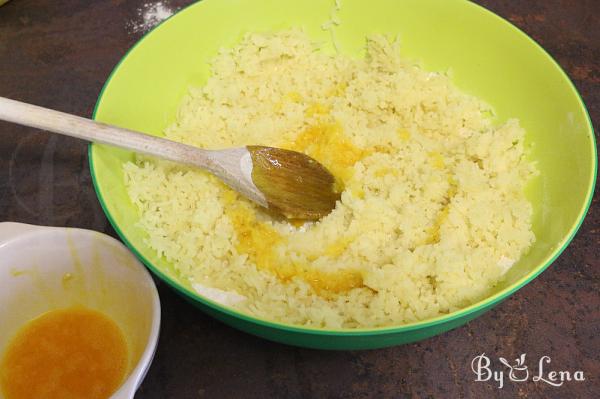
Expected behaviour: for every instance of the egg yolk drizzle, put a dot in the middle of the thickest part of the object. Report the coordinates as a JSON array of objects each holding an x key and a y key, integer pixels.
[
  {"x": 434, "y": 231},
  {"x": 327, "y": 143},
  {"x": 259, "y": 240}
]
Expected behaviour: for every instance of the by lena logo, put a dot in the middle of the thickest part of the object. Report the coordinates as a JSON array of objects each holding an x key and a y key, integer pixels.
[{"x": 519, "y": 372}]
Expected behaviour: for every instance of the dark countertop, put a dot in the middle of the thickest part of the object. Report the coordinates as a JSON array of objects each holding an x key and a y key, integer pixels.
[{"x": 58, "y": 53}]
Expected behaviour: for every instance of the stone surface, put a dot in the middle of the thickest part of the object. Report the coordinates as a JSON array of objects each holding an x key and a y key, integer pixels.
[{"x": 58, "y": 53}]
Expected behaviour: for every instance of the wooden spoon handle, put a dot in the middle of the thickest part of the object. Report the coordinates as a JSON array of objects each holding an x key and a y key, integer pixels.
[{"x": 87, "y": 129}]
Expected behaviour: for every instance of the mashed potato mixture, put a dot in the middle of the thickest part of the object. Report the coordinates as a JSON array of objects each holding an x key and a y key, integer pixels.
[{"x": 432, "y": 213}]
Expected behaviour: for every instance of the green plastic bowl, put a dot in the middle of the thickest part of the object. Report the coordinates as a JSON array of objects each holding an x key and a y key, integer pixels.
[{"x": 487, "y": 56}]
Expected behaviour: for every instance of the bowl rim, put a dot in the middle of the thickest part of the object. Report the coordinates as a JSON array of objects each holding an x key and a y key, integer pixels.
[{"x": 481, "y": 305}]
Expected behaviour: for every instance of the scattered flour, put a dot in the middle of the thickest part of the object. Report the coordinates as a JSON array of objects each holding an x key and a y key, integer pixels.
[
  {"x": 220, "y": 296},
  {"x": 149, "y": 15}
]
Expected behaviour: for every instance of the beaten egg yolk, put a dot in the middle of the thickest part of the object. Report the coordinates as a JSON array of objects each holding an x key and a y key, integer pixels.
[
  {"x": 327, "y": 144},
  {"x": 65, "y": 354},
  {"x": 258, "y": 240}
]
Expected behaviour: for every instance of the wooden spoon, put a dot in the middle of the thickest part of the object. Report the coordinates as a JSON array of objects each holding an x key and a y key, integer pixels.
[{"x": 287, "y": 182}]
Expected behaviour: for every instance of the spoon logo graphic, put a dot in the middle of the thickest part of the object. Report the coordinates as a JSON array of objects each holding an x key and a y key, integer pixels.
[{"x": 519, "y": 371}]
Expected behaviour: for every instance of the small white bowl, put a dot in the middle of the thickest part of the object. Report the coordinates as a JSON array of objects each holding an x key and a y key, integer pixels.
[{"x": 46, "y": 268}]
